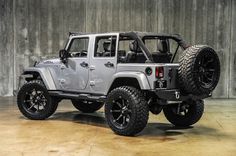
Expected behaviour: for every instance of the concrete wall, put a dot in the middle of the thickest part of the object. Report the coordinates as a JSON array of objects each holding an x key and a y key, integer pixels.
[{"x": 30, "y": 29}]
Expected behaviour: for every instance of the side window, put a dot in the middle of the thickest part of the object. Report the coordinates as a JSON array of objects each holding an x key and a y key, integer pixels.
[
  {"x": 105, "y": 46},
  {"x": 79, "y": 47}
]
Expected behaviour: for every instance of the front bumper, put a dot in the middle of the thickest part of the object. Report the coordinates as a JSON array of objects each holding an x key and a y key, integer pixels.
[{"x": 175, "y": 95}]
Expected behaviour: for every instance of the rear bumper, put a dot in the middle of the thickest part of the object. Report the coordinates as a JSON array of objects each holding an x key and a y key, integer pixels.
[{"x": 175, "y": 95}]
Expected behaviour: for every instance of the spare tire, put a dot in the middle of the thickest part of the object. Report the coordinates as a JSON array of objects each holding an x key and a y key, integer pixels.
[{"x": 199, "y": 70}]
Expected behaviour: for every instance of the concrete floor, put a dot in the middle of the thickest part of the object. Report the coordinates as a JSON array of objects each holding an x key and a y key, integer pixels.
[{"x": 70, "y": 132}]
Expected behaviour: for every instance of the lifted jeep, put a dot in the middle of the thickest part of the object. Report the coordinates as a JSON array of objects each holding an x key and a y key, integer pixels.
[{"x": 131, "y": 72}]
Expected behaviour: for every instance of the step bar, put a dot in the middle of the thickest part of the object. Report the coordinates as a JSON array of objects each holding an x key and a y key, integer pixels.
[{"x": 84, "y": 96}]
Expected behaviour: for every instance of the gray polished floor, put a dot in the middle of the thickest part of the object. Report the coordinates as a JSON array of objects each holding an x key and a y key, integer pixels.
[{"x": 69, "y": 132}]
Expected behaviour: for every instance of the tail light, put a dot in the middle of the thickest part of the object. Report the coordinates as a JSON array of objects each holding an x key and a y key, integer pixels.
[{"x": 159, "y": 72}]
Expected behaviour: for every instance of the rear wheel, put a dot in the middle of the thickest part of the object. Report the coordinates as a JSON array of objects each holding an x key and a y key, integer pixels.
[
  {"x": 87, "y": 106},
  {"x": 126, "y": 111},
  {"x": 184, "y": 114},
  {"x": 34, "y": 102}
]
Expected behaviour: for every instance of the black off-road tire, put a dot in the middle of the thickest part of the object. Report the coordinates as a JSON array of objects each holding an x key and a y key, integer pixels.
[
  {"x": 50, "y": 106},
  {"x": 55, "y": 102},
  {"x": 87, "y": 106},
  {"x": 137, "y": 107},
  {"x": 194, "y": 114},
  {"x": 199, "y": 70}
]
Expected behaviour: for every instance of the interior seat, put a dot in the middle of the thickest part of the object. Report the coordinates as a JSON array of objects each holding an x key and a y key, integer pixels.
[
  {"x": 109, "y": 48},
  {"x": 122, "y": 56},
  {"x": 135, "y": 55},
  {"x": 140, "y": 57},
  {"x": 163, "y": 55},
  {"x": 106, "y": 52},
  {"x": 131, "y": 55}
]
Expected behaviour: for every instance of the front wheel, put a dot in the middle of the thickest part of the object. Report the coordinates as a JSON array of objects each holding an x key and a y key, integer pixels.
[
  {"x": 34, "y": 102},
  {"x": 126, "y": 111},
  {"x": 184, "y": 114}
]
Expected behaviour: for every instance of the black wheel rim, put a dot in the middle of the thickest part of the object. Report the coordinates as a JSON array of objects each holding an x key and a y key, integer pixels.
[
  {"x": 206, "y": 68},
  {"x": 35, "y": 101},
  {"x": 120, "y": 112}
]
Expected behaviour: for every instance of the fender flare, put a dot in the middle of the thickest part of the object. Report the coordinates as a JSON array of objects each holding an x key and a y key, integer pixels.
[
  {"x": 139, "y": 76},
  {"x": 44, "y": 73}
]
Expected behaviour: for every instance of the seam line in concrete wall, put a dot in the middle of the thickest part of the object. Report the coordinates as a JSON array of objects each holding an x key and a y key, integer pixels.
[
  {"x": 14, "y": 44},
  {"x": 230, "y": 50}
]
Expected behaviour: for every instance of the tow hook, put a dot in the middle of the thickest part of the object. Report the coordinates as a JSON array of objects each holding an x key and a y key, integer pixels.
[
  {"x": 177, "y": 95},
  {"x": 210, "y": 94}
]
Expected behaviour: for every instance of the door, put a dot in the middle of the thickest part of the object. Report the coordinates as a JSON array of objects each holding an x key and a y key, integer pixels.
[
  {"x": 74, "y": 73},
  {"x": 103, "y": 63}
]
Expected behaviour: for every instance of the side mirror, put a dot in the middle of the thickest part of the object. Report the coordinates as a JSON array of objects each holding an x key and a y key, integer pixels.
[{"x": 63, "y": 55}]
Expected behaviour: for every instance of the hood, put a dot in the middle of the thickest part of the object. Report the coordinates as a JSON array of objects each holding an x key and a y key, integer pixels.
[{"x": 48, "y": 62}]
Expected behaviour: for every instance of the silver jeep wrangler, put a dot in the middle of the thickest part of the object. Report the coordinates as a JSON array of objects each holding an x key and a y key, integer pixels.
[{"x": 131, "y": 72}]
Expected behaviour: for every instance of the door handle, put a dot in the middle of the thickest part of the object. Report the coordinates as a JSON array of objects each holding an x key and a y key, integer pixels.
[
  {"x": 84, "y": 64},
  {"x": 92, "y": 67},
  {"x": 109, "y": 64}
]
